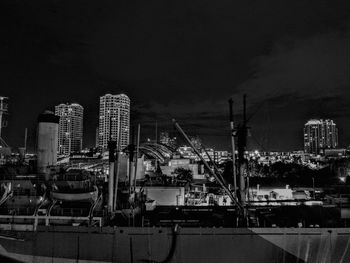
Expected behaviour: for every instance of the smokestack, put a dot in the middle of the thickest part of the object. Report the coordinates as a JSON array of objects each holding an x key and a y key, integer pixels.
[
  {"x": 47, "y": 142},
  {"x": 111, "y": 147}
]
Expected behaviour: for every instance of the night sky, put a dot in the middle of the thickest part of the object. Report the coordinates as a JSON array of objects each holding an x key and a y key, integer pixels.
[{"x": 183, "y": 60}]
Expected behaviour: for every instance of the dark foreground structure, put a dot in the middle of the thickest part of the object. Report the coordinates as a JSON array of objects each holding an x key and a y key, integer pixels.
[{"x": 151, "y": 244}]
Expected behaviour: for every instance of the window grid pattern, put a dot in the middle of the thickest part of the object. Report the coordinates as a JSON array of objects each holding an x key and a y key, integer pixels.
[
  {"x": 114, "y": 120},
  {"x": 70, "y": 129}
]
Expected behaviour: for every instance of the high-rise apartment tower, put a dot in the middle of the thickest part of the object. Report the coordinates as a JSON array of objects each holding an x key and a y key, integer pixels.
[
  {"x": 319, "y": 135},
  {"x": 70, "y": 130},
  {"x": 114, "y": 120}
]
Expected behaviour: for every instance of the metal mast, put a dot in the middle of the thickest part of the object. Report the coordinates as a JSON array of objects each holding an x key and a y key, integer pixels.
[
  {"x": 111, "y": 147},
  {"x": 242, "y": 144},
  {"x": 137, "y": 154},
  {"x": 233, "y": 134}
]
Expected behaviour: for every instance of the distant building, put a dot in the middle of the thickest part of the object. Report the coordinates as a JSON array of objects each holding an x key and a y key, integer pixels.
[
  {"x": 187, "y": 153},
  {"x": 335, "y": 153},
  {"x": 70, "y": 130},
  {"x": 114, "y": 120},
  {"x": 215, "y": 156},
  {"x": 173, "y": 164},
  {"x": 320, "y": 135}
]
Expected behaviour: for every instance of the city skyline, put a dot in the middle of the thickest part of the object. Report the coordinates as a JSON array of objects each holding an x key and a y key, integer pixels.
[
  {"x": 289, "y": 61},
  {"x": 164, "y": 129},
  {"x": 175, "y": 131}
]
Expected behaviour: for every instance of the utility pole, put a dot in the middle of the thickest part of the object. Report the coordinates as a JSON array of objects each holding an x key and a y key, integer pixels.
[{"x": 233, "y": 134}]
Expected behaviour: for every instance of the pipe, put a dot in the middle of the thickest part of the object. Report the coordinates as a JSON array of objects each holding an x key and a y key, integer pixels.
[{"x": 111, "y": 147}]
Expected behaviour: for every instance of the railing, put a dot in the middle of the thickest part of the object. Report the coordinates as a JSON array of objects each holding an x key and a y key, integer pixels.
[
  {"x": 35, "y": 220},
  {"x": 94, "y": 206}
]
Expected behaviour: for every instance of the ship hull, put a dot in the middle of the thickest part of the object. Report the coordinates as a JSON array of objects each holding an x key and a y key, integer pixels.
[{"x": 83, "y": 244}]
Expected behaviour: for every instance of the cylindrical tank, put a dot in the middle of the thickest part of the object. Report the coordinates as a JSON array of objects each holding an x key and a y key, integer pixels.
[{"x": 47, "y": 141}]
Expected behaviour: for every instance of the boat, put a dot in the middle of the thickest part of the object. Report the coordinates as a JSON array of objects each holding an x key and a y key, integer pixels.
[
  {"x": 73, "y": 186},
  {"x": 149, "y": 244},
  {"x": 76, "y": 196}
]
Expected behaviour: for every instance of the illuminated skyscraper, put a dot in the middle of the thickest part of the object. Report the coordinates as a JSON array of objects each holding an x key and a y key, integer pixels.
[
  {"x": 114, "y": 120},
  {"x": 70, "y": 129},
  {"x": 319, "y": 135}
]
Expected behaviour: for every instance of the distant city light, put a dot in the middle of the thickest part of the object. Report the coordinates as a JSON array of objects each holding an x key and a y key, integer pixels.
[{"x": 342, "y": 179}]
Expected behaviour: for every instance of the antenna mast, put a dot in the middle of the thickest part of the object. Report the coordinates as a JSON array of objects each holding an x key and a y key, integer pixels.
[
  {"x": 242, "y": 144},
  {"x": 233, "y": 134}
]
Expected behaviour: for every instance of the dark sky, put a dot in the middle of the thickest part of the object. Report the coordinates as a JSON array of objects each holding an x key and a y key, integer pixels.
[{"x": 181, "y": 59}]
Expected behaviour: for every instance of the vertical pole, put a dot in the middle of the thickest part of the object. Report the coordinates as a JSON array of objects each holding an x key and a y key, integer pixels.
[
  {"x": 0, "y": 119},
  {"x": 232, "y": 126},
  {"x": 245, "y": 110},
  {"x": 25, "y": 140},
  {"x": 243, "y": 166},
  {"x": 117, "y": 163},
  {"x": 131, "y": 159},
  {"x": 137, "y": 153},
  {"x": 156, "y": 140},
  {"x": 2, "y": 109},
  {"x": 111, "y": 147}
]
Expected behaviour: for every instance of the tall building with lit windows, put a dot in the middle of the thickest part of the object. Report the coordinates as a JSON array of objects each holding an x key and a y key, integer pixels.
[
  {"x": 319, "y": 135},
  {"x": 114, "y": 120},
  {"x": 70, "y": 128}
]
